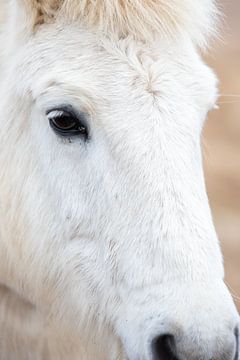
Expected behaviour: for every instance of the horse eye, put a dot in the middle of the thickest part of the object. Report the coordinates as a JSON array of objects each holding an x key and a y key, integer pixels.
[{"x": 66, "y": 123}]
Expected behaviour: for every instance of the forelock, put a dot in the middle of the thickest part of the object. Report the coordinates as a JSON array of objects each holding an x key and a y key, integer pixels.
[
  {"x": 146, "y": 19},
  {"x": 141, "y": 19}
]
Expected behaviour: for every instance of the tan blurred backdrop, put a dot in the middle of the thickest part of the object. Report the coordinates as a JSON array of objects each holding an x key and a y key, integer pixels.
[{"x": 221, "y": 146}]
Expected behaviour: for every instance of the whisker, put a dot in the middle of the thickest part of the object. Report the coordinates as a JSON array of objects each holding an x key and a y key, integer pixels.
[
  {"x": 229, "y": 95},
  {"x": 231, "y": 99},
  {"x": 232, "y": 291},
  {"x": 229, "y": 102}
]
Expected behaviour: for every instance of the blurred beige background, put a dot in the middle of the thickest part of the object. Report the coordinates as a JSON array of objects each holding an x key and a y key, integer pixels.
[{"x": 221, "y": 146}]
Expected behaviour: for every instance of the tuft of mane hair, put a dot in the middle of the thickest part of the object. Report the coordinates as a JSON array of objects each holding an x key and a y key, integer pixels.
[
  {"x": 145, "y": 19},
  {"x": 141, "y": 19}
]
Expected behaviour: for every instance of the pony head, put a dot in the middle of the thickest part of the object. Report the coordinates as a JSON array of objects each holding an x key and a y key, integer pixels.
[{"x": 105, "y": 222}]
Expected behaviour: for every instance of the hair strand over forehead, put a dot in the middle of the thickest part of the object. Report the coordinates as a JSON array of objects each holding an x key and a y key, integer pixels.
[{"x": 142, "y": 19}]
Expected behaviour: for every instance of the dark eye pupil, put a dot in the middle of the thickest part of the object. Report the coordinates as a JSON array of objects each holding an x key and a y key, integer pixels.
[{"x": 65, "y": 122}]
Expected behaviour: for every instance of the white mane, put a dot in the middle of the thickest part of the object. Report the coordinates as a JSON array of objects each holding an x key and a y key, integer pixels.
[
  {"x": 140, "y": 18},
  {"x": 144, "y": 19}
]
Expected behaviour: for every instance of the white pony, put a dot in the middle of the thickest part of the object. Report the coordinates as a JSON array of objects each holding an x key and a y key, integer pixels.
[{"x": 107, "y": 247}]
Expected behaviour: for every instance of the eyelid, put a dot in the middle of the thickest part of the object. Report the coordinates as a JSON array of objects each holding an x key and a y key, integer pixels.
[
  {"x": 60, "y": 109},
  {"x": 63, "y": 108}
]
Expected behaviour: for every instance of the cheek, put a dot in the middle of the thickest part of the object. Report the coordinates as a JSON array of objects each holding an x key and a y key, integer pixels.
[{"x": 72, "y": 172}]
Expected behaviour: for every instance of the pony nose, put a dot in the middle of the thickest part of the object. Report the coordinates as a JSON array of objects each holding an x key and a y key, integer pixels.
[
  {"x": 164, "y": 348},
  {"x": 236, "y": 333}
]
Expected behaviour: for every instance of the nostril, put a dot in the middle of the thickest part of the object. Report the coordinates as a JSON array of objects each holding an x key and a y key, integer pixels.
[
  {"x": 236, "y": 333},
  {"x": 164, "y": 348}
]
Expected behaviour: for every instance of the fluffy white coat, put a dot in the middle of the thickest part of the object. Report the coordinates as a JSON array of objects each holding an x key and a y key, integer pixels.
[{"x": 108, "y": 243}]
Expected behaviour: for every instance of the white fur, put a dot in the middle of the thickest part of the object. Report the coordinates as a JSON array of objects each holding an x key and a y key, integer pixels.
[{"x": 108, "y": 243}]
